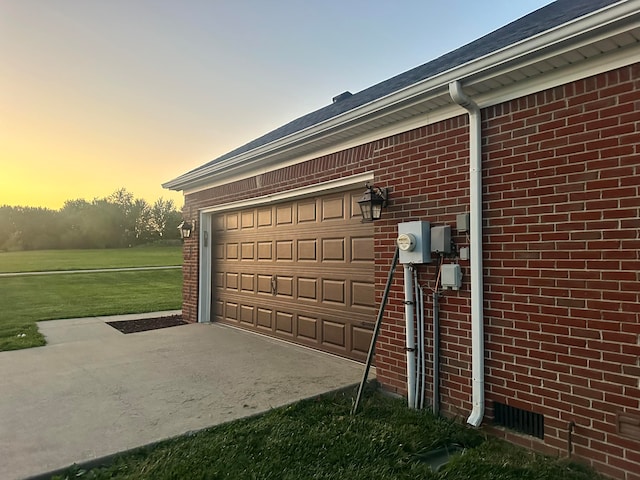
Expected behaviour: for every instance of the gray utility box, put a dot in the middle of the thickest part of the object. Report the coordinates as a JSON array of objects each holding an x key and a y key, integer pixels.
[
  {"x": 451, "y": 276},
  {"x": 462, "y": 223},
  {"x": 414, "y": 240},
  {"x": 441, "y": 239}
]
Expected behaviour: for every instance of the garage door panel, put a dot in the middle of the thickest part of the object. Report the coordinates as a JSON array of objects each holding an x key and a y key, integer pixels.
[
  {"x": 219, "y": 309},
  {"x": 284, "y": 323},
  {"x": 307, "y": 211},
  {"x": 284, "y": 215},
  {"x": 307, "y": 250},
  {"x": 265, "y": 250},
  {"x": 354, "y": 207},
  {"x": 333, "y": 208},
  {"x": 363, "y": 294},
  {"x": 232, "y": 281},
  {"x": 308, "y": 327},
  {"x": 361, "y": 340},
  {"x": 318, "y": 309},
  {"x": 307, "y": 288},
  {"x": 231, "y": 222},
  {"x": 231, "y": 311},
  {"x": 284, "y": 250},
  {"x": 357, "y": 291},
  {"x": 264, "y": 284},
  {"x": 247, "y": 219},
  {"x": 264, "y": 318},
  {"x": 301, "y": 271},
  {"x": 247, "y": 250},
  {"x": 333, "y": 333},
  {"x": 362, "y": 249},
  {"x": 333, "y": 291},
  {"x": 219, "y": 222},
  {"x": 265, "y": 217},
  {"x": 333, "y": 249},
  {"x": 284, "y": 286},
  {"x": 246, "y": 314},
  {"x": 232, "y": 251},
  {"x": 247, "y": 282}
]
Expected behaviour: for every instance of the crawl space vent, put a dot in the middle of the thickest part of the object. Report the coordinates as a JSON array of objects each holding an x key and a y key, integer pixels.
[{"x": 519, "y": 420}]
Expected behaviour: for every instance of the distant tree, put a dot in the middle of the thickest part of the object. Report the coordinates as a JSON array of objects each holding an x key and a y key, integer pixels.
[
  {"x": 8, "y": 230},
  {"x": 124, "y": 215},
  {"x": 118, "y": 220},
  {"x": 73, "y": 217},
  {"x": 165, "y": 219},
  {"x": 6, "y": 225},
  {"x": 34, "y": 229},
  {"x": 143, "y": 229}
]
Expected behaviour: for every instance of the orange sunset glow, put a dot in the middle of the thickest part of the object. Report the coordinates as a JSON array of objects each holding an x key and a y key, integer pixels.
[{"x": 101, "y": 95}]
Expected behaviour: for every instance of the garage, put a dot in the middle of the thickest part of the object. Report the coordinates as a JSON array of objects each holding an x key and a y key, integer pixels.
[{"x": 301, "y": 270}]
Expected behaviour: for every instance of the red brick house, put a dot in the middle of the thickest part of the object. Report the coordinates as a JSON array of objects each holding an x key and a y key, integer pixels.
[{"x": 532, "y": 130}]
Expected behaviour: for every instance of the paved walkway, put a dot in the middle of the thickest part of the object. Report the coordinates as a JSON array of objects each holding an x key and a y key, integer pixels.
[
  {"x": 92, "y": 270},
  {"x": 93, "y": 391}
]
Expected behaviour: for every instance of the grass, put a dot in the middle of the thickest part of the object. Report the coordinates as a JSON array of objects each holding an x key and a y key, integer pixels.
[
  {"x": 29, "y": 299},
  {"x": 313, "y": 439},
  {"x": 318, "y": 439},
  {"x": 49, "y": 260},
  {"x": 25, "y": 300}
]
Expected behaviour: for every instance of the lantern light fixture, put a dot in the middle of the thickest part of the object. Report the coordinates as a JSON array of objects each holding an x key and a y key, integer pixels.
[
  {"x": 186, "y": 228},
  {"x": 372, "y": 202}
]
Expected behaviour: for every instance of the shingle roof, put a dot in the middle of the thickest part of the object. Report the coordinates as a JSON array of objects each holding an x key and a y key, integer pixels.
[{"x": 545, "y": 18}]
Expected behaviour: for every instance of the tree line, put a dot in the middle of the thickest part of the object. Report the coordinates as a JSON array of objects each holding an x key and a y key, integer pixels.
[{"x": 116, "y": 221}]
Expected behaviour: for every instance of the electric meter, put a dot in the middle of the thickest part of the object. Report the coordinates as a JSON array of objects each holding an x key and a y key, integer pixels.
[
  {"x": 413, "y": 241},
  {"x": 406, "y": 242}
]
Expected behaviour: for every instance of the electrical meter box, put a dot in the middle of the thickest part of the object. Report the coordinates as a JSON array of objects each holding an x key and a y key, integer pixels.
[{"x": 414, "y": 242}]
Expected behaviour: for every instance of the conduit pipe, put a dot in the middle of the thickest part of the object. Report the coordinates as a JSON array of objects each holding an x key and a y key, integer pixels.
[
  {"x": 409, "y": 304},
  {"x": 423, "y": 371},
  {"x": 475, "y": 200},
  {"x": 436, "y": 354},
  {"x": 419, "y": 319}
]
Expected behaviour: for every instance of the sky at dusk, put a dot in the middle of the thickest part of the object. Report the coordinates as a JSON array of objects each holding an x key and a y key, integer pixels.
[{"x": 97, "y": 95}]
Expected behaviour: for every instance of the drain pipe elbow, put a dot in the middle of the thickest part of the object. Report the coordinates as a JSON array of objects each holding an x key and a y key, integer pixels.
[
  {"x": 461, "y": 98},
  {"x": 475, "y": 207}
]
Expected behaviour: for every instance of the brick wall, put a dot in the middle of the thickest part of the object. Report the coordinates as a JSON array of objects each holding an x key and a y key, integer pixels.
[
  {"x": 561, "y": 262},
  {"x": 562, "y": 305}
]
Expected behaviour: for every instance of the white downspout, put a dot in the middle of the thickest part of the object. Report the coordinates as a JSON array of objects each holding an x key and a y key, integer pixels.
[
  {"x": 475, "y": 200},
  {"x": 410, "y": 339}
]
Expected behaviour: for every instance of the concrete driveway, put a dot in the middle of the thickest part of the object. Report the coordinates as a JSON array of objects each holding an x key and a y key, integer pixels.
[{"x": 93, "y": 391}]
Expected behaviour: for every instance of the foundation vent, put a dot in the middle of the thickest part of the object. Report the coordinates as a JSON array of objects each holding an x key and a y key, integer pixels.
[
  {"x": 519, "y": 420},
  {"x": 629, "y": 425}
]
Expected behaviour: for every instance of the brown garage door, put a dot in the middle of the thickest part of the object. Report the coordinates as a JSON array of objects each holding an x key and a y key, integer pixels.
[{"x": 301, "y": 270}]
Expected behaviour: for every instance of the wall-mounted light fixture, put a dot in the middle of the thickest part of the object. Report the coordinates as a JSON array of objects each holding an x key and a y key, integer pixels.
[
  {"x": 372, "y": 202},
  {"x": 186, "y": 228}
]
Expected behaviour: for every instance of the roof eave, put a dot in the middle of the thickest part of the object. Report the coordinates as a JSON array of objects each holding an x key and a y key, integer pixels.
[{"x": 598, "y": 24}]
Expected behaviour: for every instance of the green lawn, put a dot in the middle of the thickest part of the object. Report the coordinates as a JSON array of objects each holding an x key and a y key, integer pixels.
[
  {"x": 318, "y": 439},
  {"x": 29, "y": 299},
  {"x": 45, "y": 260}
]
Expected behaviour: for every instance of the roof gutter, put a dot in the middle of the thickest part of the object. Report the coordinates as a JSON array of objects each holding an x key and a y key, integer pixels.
[{"x": 477, "y": 288}]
